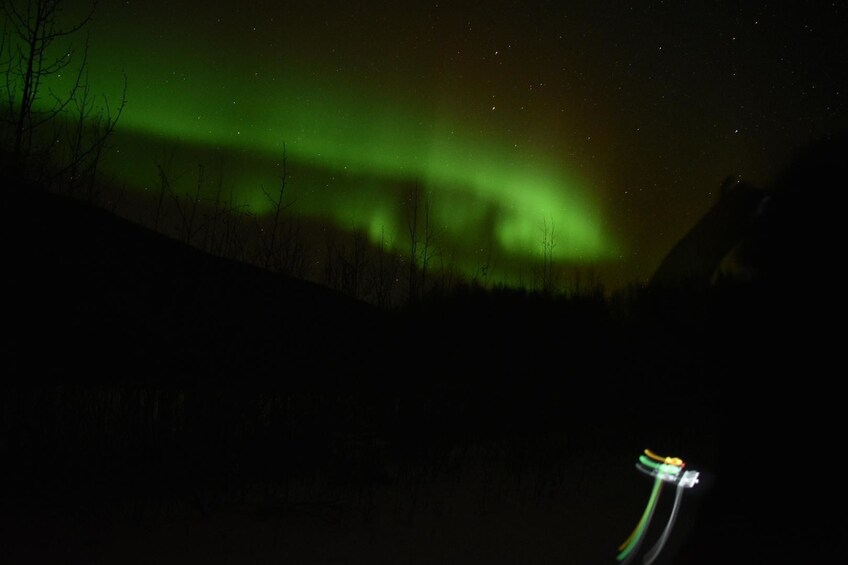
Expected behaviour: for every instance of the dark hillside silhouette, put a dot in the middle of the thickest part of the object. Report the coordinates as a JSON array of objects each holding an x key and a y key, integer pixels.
[
  {"x": 762, "y": 334},
  {"x": 98, "y": 298},
  {"x": 153, "y": 377},
  {"x": 256, "y": 307},
  {"x": 782, "y": 234},
  {"x": 696, "y": 258},
  {"x": 794, "y": 239},
  {"x": 151, "y": 380}
]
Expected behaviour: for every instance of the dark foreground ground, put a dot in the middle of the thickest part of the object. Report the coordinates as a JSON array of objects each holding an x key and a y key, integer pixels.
[{"x": 163, "y": 406}]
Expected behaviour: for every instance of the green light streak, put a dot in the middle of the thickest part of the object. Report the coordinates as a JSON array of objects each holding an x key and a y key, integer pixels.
[{"x": 635, "y": 538}]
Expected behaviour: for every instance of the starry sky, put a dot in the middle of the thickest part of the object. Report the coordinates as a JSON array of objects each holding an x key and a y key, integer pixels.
[{"x": 611, "y": 123}]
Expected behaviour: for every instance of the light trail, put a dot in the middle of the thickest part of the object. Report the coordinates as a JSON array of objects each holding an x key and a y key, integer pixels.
[{"x": 664, "y": 470}]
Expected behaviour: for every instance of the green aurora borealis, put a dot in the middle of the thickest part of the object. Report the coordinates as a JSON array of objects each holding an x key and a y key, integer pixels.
[
  {"x": 363, "y": 145},
  {"x": 612, "y": 128},
  {"x": 353, "y": 135}
]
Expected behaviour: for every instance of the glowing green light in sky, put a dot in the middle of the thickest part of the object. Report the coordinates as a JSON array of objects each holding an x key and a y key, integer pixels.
[{"x": 491, "y": 182}]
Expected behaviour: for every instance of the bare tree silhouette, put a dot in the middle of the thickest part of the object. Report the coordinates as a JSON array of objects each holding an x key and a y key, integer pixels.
[
  {"x": 35, "y": 115},
  {"x": 269, "y": 239},
  {"x": 422, "y": 240},
  {"x": 547, "y": 275}
]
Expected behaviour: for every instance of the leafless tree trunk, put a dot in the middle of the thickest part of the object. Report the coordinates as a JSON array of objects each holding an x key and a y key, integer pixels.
[
  {"x": 213, "y": 217},
  {"x": 356, "y": 265},
  {"x": 269, "y": 240},
  {"x": 385, "y": 274},
  {"x": 293, "y": 254},
  {"x": 188, "y": 212},
  {"x": 163, "y": 168},
  {"x": 30, "y": 36},
  {"x": 422, "y": 240},
  {"x": 547, "y": 277},
  {"x": 89, "y": 133},
  {"x": 412, "y": 227},
  {"x": 428, "y": 241}
]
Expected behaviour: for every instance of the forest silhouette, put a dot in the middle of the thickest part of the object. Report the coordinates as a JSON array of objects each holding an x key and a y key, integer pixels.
[{"x": 180, "y": 370}]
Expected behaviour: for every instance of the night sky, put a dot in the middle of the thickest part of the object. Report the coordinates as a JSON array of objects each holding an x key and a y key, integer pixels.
[
  {"x": 613, "y": 123},
  {"x": 592, "y": 133}
]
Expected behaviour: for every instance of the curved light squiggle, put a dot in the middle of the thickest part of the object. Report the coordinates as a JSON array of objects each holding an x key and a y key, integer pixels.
[{"x": 664, "y": 470}]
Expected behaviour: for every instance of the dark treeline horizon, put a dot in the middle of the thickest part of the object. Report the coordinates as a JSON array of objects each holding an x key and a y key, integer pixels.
[{"x": 175, "y": 363}]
